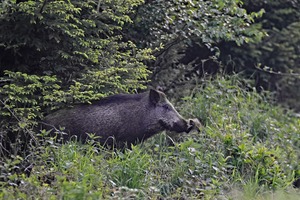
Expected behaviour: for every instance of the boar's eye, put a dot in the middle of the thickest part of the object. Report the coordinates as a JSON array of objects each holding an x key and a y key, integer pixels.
[{"x": 167, "y": 107}]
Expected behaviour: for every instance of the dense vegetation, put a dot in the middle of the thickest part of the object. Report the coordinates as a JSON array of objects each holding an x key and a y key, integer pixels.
[
  {"x": 274, "y": 61},
  {"x": 57, "y": 53},
  {"x": 246, "y": 148}
]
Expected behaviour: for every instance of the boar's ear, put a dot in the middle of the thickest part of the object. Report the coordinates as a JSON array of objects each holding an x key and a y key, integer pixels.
[
  {"x": 159, "y": 88},
  {"x": 154, "y": 96}
]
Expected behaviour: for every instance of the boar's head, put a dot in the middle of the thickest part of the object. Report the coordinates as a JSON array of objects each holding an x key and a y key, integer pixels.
[{"x": 167, "y": 116}]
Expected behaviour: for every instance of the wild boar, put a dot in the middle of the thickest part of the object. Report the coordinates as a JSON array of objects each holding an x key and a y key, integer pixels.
[{"x": 121, "y": 118}]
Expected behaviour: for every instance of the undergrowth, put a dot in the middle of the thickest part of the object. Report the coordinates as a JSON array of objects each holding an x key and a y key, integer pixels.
[{"x": 247, "y": 148}]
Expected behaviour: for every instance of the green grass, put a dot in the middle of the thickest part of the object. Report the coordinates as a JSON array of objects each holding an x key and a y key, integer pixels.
[{"x": 247, "y": 149}]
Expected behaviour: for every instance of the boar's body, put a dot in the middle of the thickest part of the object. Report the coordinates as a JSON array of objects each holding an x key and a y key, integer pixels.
[{"x": 127, "y": 118}]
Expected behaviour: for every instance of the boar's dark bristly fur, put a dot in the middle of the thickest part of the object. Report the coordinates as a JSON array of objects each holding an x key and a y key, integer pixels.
[{"x": 124, "y": 118}]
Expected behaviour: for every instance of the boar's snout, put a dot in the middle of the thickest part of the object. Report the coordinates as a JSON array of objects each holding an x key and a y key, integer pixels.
[
  {"x": 194, "y": 124},
  {"x": 181, "y": 126},
  {"x": 187, "y": 125}
]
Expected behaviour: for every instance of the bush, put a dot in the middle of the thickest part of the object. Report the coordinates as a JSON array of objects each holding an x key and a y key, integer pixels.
[
  {"x": 274, "y": 61},
  {"x": 258, "y": 140},
  {"x": 57, "y": 53}
]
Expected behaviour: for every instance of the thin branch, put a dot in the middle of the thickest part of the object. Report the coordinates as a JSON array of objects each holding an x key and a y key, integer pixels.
[
  {"x": 168, "y": 46},
  {"x": 98, "y": 6},
  {"x": 277, "y": 73},
  {"x": 43, "y": 6}
]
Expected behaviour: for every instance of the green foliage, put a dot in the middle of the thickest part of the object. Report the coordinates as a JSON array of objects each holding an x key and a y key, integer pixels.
[
  {"x": 23, "y": 95},
  {"x": 129, "y": 169},
  {"x": 64, "y": 36},
  {"x": 177, "y": 27},
  {"x": 22, "y": 102},
  {"x": 78, "y": 41},
  {"x": 204, "y": 22},
  {"x": 259, "y": 141}
]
